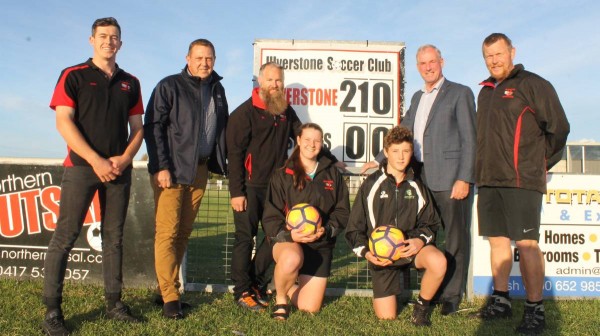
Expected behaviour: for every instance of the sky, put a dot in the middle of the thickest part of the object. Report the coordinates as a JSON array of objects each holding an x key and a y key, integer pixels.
[{"x": 559, "y": 40}]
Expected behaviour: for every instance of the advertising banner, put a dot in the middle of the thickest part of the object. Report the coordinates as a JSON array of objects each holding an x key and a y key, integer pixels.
[
  {"x": 353, "y": 90},
  {"x": 569, "y": 240},
  {"x": 29, "y": 206}
]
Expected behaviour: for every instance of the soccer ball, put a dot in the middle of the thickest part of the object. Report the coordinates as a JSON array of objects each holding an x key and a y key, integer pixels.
[
  {"x": 305, "y": 217},
  {"x": 385, "y": 242}
]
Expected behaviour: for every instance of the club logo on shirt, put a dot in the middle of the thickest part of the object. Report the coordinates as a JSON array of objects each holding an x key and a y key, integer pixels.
[
  {"x": 125, "y": 86},
  {"x": 383, "y": 194},
  {"x": 328, "y": 184},
  {"x": 409, "y": 194},
  {"x": 509, "y": 93}
]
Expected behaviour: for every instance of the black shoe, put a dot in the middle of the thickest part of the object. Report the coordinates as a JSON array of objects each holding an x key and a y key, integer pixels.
[
  {"x": 420, "y": 315},
  {"x": 496, "y": 307},
  {"x": 448, "y": 308},
  {"x": 54, "y": 324},
  {"x": 121, "y": 313},
  {"x": 260, "y": 296},
  {"x": 282, "y": 315},
  {"x": 534, "y": 320},
  {"x": 247, "y": 301},
  {"x": 158, "y": 300},
  {"x": 172, "y": 310}
]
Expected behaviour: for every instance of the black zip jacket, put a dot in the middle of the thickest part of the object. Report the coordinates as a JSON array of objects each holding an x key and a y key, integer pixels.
[
  {"x": 380, "y": 201},
  {"x": 172, "y": 124},
  {"x": 258, "y": 144},
  {"x": 327, "y": 191},
  {"x": 521, "y": 131}
]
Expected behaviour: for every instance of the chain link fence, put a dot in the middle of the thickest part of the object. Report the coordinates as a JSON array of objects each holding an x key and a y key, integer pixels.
[{"x": 210, "y": 245}]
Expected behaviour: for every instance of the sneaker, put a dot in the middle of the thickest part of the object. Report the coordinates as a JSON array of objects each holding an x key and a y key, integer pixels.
[
  {"x": 248, "y": 302},
  {"x": 260, "y": 296},
  {"x": 54, "y": 324},
  {"x": 496, "y": 307},
  {"x": 534, "y": 320},
  {"x": 158, "y": 300},
  {"x": 420, "y": 315},
  {"x": 121, "y": 313}
]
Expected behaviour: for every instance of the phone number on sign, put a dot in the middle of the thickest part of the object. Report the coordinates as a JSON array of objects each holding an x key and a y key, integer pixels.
[
  {"x": 572, "y": 286},
  {"x": 38, "y": 272}
]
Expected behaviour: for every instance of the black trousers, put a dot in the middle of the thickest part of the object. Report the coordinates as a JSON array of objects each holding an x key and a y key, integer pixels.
[
  {"x": 456, "y": 219},
  {"x": 246, "y": 270},
  {"x": 79, "y": 184}
]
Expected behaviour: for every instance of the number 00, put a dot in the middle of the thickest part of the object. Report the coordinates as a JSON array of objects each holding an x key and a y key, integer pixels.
[{"x": 355, "y": 141}]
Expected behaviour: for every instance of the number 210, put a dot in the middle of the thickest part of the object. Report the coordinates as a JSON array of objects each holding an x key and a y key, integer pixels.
[{"x": 382, "y": 97}]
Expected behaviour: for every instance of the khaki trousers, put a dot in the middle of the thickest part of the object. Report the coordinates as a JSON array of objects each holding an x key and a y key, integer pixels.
[{"x": 175, "y": 210}]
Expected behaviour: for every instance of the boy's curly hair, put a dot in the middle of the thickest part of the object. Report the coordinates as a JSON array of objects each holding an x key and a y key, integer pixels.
[{"x": 397, "y": 135}]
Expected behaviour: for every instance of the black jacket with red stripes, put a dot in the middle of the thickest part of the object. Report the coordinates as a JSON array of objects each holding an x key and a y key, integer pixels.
[
  {"x": 327, "y": 191},
  {"x": 258, "y": 142},
  {"x": 521, "y": 131}
]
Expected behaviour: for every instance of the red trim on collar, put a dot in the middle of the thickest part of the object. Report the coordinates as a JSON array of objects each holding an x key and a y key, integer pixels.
[
  {"x": 488, "y": 83},
  {"x": 290, "y": 171},
  {"x": 256, "y": 100}
]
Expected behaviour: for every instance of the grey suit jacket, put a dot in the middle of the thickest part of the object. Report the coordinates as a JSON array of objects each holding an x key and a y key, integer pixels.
[{"x": 449, "y": 140}]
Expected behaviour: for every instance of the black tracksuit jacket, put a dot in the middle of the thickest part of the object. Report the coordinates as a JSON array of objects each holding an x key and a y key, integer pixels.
[
  {"x": 521, "y": 131},
  {"x": 257, "y": 144},
  {"x": 380, "y": 201},
  {"x": 327, "y": 191}
]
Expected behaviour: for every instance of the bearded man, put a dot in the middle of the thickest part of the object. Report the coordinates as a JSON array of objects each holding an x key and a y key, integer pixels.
[{"x": 258, "y": 132}]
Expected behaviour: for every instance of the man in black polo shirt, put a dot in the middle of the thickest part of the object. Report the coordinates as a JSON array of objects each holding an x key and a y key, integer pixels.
[{"x": 99, "y": 114}]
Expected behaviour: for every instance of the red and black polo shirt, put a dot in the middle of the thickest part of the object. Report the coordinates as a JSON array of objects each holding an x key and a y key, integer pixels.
[{"x": 102, "y": 107}]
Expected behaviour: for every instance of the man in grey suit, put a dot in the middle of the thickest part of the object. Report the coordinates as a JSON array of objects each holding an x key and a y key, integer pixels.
[{"x": 442, "y": 118}]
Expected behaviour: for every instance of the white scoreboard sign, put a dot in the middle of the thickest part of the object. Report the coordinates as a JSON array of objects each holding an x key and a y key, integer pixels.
[
  {"x": 569, "y": 239},
  {"x": 353, "y": 90}
]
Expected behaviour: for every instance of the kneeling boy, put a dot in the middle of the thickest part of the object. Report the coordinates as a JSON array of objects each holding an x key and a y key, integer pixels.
[{"x": 393, "y": 196}]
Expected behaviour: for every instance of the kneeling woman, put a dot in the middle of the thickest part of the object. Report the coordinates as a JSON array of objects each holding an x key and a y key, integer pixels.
[{"x": 307, "y": 177}]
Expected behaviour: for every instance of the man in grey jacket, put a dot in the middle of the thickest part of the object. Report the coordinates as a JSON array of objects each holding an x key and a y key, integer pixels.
[{"x": 442, "y": 117}]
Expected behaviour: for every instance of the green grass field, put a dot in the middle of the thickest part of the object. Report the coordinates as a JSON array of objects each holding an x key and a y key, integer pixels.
[{"x": 21, "y": 311}]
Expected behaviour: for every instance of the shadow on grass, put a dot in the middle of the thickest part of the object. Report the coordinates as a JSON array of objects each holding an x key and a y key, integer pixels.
[{"x": 554, "y": 321}]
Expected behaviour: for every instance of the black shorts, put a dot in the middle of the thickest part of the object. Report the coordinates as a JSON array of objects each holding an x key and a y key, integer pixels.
[
  {"x": 509, "y": 212},
  {"x": 317, "y": 262},
  {"x": 388, "y": 281}
]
